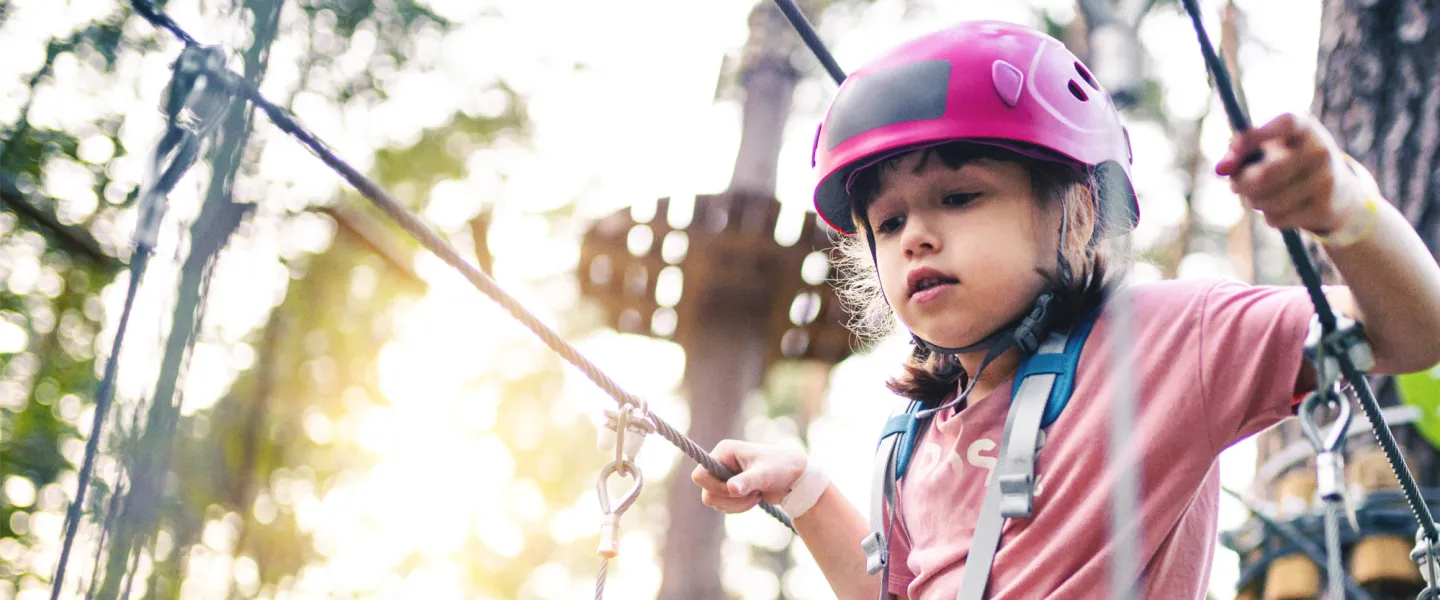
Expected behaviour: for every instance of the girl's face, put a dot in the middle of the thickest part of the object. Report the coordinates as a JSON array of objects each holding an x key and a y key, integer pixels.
[{"x": 960, "y": 251}]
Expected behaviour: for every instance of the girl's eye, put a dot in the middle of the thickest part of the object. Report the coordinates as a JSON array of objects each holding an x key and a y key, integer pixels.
[
  {"x": 959, "y": 199},
  {"x": 890, "y": 225}
]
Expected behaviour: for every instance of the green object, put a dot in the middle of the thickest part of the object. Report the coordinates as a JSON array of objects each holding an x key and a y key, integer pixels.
[{"x": 1422, "y": 390}]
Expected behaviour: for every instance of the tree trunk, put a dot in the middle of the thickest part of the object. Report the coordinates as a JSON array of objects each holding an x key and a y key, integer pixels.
[
  {"x": 1378, "y": 93},
  {"x": 720, "y": 371},
  {"x": 727, "y": 360}
]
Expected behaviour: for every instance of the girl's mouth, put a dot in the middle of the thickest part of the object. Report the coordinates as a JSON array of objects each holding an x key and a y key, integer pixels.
[
  {"x": 931, "y": 293},
  {"x": 926, "y": 284}
]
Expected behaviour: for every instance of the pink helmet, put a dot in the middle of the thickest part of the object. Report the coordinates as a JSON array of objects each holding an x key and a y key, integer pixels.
[{"x": 981, "y": 81}]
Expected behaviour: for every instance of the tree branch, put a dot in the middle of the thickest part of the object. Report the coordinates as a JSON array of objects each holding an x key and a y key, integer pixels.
[
  {"x": 75, "y": 239},
  {"x": 372, "y": 234}
]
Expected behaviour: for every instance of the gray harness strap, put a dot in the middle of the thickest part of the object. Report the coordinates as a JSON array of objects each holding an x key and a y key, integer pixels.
[{"x": 1010, "y": 495}]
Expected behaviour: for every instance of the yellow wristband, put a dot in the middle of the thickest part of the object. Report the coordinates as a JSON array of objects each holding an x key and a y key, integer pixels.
[{"x": 1361, "y": 221}]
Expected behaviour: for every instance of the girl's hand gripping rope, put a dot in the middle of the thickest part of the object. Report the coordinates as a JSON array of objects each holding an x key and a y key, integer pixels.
[
  {"x": 1304, "y": 181},
  {"x": 774, "y": 474}
]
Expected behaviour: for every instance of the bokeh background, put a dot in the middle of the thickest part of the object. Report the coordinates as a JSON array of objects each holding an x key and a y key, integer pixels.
[{"x": 310, "y": 406}]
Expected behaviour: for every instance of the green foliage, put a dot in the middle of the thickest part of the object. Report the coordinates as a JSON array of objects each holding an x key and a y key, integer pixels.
[
  {"x": 316, "y": 355},
  {"x": 1422, "y": 390}
]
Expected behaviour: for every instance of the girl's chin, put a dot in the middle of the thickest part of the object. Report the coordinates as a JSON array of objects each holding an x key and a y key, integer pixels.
[{"x": 951, "y": 339}]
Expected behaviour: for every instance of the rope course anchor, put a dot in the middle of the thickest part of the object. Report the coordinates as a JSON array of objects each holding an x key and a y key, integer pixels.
[{"x": 1330, "y": 472}]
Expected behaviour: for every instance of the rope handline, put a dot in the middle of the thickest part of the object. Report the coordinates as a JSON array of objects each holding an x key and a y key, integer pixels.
[
  {"x": 442, "y": 249},
  {"x": 1310, "y": 278}
]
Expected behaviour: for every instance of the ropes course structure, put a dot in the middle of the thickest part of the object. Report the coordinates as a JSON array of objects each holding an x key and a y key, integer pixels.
[{"x": 201, "y": 86}]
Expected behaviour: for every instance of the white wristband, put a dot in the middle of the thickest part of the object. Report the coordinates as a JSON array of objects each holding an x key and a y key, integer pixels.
[
  {"x": 1365, "y": 212},
  {"x": 806, "y": 491}
]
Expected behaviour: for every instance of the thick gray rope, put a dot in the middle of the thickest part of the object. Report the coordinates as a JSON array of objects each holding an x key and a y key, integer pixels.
[
  {"x": 1335, "y": 565},
  {"x": 436, "y": 244},
  {"x": 600, "y": 579}
]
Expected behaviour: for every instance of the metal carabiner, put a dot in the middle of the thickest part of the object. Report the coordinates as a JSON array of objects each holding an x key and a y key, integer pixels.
[
  {"x": 602, "y": 487},
  {"x": 610, "y": 525},
  {"x": 1334, "y": 437}
]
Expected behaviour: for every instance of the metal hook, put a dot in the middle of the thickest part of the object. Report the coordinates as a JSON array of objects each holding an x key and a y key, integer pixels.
[
  {"x": 625, "y": 468},
  {"x": 198, "y": 85},
  {"x": 1334, "y": 436}
]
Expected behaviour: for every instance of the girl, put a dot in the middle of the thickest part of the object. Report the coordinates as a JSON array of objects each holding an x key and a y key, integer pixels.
[{"x": 980, "y": 169}]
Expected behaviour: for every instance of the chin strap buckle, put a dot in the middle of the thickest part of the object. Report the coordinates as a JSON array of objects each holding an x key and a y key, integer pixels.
[{"x": 1036, "y": 325}]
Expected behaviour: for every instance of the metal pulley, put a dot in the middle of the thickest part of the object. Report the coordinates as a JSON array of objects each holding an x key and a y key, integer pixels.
[{"x": 637, "y": 427}]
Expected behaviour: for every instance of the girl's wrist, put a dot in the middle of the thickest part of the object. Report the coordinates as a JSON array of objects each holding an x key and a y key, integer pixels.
[
  {"x": 1362, "y": 214},
  {"x": 806, "y": 490}
]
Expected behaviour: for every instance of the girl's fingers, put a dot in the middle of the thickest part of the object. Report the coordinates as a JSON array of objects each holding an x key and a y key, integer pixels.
[
  {"x": 1282, "y": 189},
  {"x": 1297, "y": 208},
  {"x": 1287, "y": 128},
  {"x": 1283, "y": 132},
  {"x": 708, "y": 482},
  {"x": 727, "y": 504}
]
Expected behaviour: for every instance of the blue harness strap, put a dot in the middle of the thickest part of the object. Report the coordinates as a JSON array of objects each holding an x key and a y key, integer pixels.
[{"x": 1063, "y": 365}]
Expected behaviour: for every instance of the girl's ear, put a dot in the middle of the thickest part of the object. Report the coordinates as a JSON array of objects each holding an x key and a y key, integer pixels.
[
  {"x": 1084, "y": 207},
  {"x": 1077, "y": 229}
]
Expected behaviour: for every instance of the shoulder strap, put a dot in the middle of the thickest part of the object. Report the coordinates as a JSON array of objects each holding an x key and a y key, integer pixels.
[
  {"x": 897, "y": 443},
  {"x": 1044, "y": 383}
]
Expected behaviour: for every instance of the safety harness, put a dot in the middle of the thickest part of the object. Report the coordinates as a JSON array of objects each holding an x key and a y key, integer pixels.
[{"x": 1043, "y": 384}]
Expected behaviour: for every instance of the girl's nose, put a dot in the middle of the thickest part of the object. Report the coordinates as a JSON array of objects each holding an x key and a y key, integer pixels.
[{"x": 919, "y": 238}]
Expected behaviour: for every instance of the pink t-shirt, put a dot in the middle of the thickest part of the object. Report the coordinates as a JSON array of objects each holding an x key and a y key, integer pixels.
[{"x": 1216, "y": 361}]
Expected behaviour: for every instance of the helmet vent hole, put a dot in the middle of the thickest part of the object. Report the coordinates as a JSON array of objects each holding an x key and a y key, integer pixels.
[
  {"x": 1077, "y": 92},
  {"x": 1085, "y": 74}
]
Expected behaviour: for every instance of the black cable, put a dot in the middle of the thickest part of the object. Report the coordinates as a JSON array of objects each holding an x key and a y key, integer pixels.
[
  {"x": 181, "y": 148},
  {"x": 162, "y": 20},
  {"x": 807, "y": 33}
]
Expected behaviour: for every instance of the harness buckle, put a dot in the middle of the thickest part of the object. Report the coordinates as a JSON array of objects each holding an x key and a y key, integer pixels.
[
  {"x": 1017, "y": 494},
  {"x": 876, "y": 554}
]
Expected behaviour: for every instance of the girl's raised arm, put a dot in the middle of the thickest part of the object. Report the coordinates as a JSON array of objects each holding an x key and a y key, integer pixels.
[{"x": 1306, "y": 182}]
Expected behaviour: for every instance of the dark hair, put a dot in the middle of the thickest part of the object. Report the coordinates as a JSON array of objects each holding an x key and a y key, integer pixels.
[{"x": 1080, "y": 282}]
